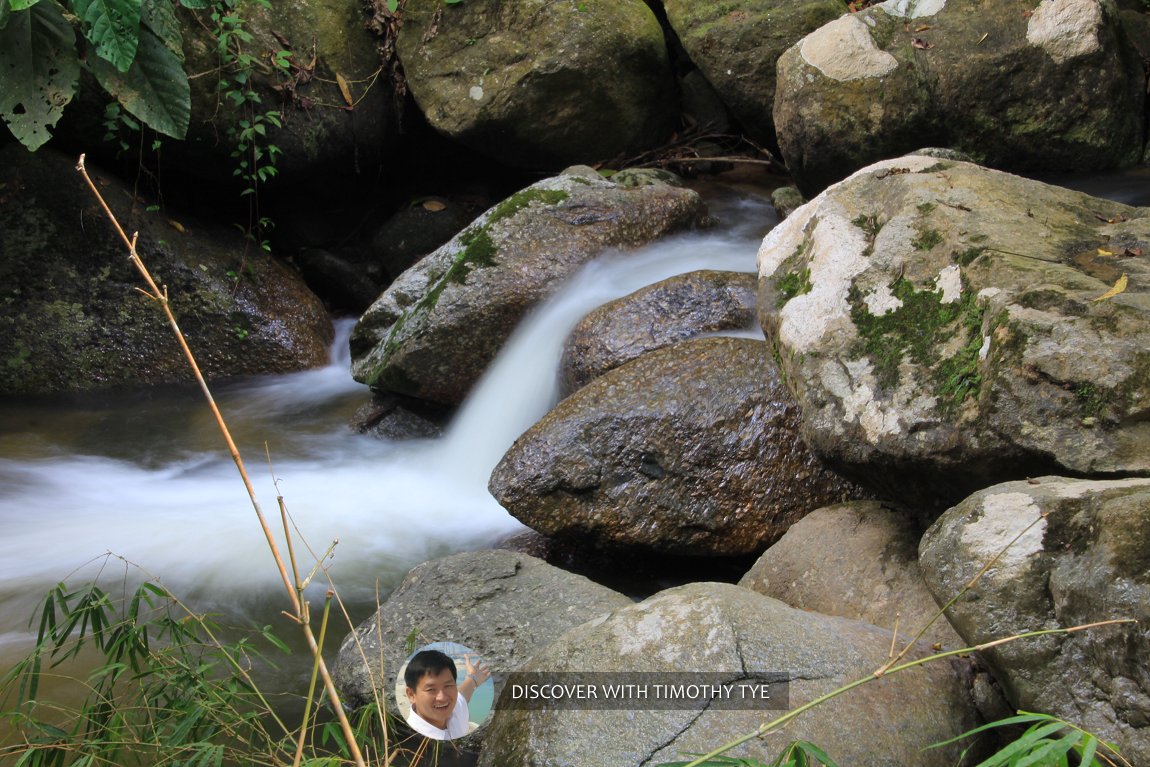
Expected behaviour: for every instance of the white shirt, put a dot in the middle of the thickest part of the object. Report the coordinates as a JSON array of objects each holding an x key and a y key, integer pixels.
[{"x": 457, "y": 726}]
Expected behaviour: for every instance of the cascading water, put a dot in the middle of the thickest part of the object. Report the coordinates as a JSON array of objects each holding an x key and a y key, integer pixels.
[{"x": 148, "y": 479}]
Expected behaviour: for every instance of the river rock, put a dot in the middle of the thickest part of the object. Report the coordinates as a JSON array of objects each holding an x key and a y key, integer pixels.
[
  {"x": 673, "y": 310},
  {"x": 433, "y": 332},
  {"x": 1069, "y": 552},
  {"x": 538, "y": 84},
  {"x": 502, "y": 604},
  {"x": 73, "y": 318},
  {"x": 1054, "y": 87},
  {"x": 945, "y": 327},
  {"x": 736, "y": 45},
  {"x": 858, "y": 560},
  {"x": 691, "y": 449},
  {"x": 738, "y": 635}
]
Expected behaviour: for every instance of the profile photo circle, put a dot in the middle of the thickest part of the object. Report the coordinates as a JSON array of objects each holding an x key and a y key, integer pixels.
[{"x": 444, "y": 690}]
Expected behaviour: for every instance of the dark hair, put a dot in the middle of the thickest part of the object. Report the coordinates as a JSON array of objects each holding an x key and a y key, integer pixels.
[{"x": 427, "y": 662}]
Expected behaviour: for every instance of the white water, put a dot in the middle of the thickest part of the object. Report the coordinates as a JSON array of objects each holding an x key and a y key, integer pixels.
[{"x": 149, "y": 480}]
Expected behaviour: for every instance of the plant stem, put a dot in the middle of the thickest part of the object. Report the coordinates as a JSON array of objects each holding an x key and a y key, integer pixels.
[{"x": 298, "y": 609}]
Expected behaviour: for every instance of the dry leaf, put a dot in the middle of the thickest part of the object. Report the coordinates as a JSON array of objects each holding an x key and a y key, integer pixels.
[
  {"x": 434, "y": 206},
  {"x": 984, "y": 36},
  {"x": 1119, "y": 287},
  {"x": 1132, "y": 252},
  {"x": 344, "y": 89},
  {"x": 176, "y": 225},
  {"x": 918, "y": 42},
  {"x": 922, "y": 28},
  {"x": 1105, "y": 252}
]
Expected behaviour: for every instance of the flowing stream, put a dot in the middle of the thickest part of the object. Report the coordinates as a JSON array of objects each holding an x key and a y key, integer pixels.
[{"x": 144, "y": 476}]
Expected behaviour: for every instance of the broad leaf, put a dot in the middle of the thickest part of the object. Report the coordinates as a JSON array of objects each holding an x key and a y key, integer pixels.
[
  {"x": 39, "y": 71},
  {"x": 160, "y": 17},
  {"x": 113, "y": 26},
  {"x": 22, "y": 5},
  {"x": 154, "y": 90},
  {"x": 196, "y": 4}
]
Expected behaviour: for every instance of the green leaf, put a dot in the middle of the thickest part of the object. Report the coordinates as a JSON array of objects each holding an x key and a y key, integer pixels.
[
  {"x": 39, "y": 72},
  {"x": 113, "y": 26},
  {"x": 155, "y": 89},
  {"x": 160, "y": 17},
  {"x": 196, "y": 4},
  {"x": 22, "y": 5}
]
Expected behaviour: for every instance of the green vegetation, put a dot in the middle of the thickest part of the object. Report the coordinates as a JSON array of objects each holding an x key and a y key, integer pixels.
[
  {"x": 794, "y": 283},
  {"x": 868, "y": 223},
  {"x": 918, "y": 329},
  {"x": 927, "y": 238}
]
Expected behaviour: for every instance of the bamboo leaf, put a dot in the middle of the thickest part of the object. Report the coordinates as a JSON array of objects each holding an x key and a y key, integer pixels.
[
  {"x": 154, "y": 90},
  {"x": 113, "y": 26},
  {"x": 39, "y": 71},
  {"x": 1119, "y": 287}
]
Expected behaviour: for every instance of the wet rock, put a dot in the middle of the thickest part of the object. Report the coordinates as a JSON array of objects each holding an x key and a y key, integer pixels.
[
  {"x": 738, "y": 635},
  {"x": 661, "y": 314},
  {"x": 945, "y": 327},
  {"x": 538, "y": 84},
  {"x": 434, "y": 330},
  {"x": 73, "y": 318},
  {"x": 786, "y": 199},
  {"x": 1057, "y": 88},
  {"x": 858, "y": 560},
  {"x": 502, "y": 604},
  {"x": 1069, "y": 552},
  {"x": 691, "y": 449}
]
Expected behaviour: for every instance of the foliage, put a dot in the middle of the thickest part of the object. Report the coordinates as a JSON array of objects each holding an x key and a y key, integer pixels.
[
  {"x": 163, "y": 690},
  {"x": 134, "y": 51},
  {"x": 799, "y": 753},
  {"x": 1047, "y": 742}
]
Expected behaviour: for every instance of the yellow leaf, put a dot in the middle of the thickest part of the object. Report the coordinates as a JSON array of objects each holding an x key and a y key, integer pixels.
[
  {"x": 344, "y": 89},
  {"x": 433, "y": 205},
  {"x": 176, "y": 225},
  {"x": 1119, "y": 287},
  {"x": 1105, "y": 252}
]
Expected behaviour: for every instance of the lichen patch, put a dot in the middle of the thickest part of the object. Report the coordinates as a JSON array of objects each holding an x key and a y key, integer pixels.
[
  {"x": 1066, "y": 29},
  {"x": 1005, "y": 517},
  {"x": 949, "y": 281},
  {"x": 912, "y": 9},
  {"x": 844, "y": 50}
]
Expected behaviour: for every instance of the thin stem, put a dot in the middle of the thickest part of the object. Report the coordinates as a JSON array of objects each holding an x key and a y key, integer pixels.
[{"x": 161, "y": 296}]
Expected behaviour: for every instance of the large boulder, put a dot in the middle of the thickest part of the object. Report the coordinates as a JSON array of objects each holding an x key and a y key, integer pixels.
[
  {"x": 675, "y": 309},
  {"x": 1056, "y": 87},
  {"x": 434, "y": 330},
  {"x": 858, "y": 560},
  {"x": 692, "y": 449},
  {"x": 539, "y": 84},
  {"x": 945, "y": 327},
  {"x": 72, "y": 316},
  {"x": 735, "y": 635},
  {"x": 736, "y": 45},
  {"x": 1058, "y": 553},
  {"x": 502, "y": 604}
]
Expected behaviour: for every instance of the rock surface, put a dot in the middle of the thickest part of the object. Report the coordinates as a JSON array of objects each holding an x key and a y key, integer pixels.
[
  {"x": 502, "y": 604},
  {"x": 691, "y": 449},
  {"x": 945, "y": 327},
  {"x": 857, "y": 560},
  {"x": 1070, "y": 552},
  {"x": 722, "y": 628},
  {"x": 72, "y": 317},
  {"x": 655, "y": 316},
  {"x": 435, "y": 330},
  {"x": 736, "y": 45},
  {"x": 539, "y": 84},
  {"x": 1056, "y": 87}
]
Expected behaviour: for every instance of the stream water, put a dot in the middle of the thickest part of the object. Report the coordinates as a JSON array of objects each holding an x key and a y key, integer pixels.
[{"x": 144, "y": 476}]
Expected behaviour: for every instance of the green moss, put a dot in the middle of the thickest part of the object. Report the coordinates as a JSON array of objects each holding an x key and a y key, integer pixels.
[
  {"x": 968, "y": 256},
  {"x": 868, "y": 223},
  {"x": 794, "y": 283},
  {"x": 925, "y": 208},
  {"x": 917, "y": 330},
  {"x": 938, "y": 167},
  {"x": 927, "y": 238},
  {"x": 1091, "y": 398}
]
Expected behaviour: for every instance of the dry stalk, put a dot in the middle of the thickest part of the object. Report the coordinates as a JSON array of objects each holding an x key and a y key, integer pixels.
[{"x": 299, "y": 607}]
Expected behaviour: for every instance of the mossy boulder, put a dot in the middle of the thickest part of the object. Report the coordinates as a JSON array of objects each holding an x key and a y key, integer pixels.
[
  {"x": 736, "y": 45},
  {"x": 725, "y": 634},
  {"x": 541, "y": 84},
  {"x": 692, "y": 449},
  {"x": 435, "y": 329},
  {"x": 658, "y": 315},
  {"x": 945, "y": 327},
  {"x": 1049, "y": 86},
  {"x": 1065, "y": 553},
  {"x": 72, "y": 317}
]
